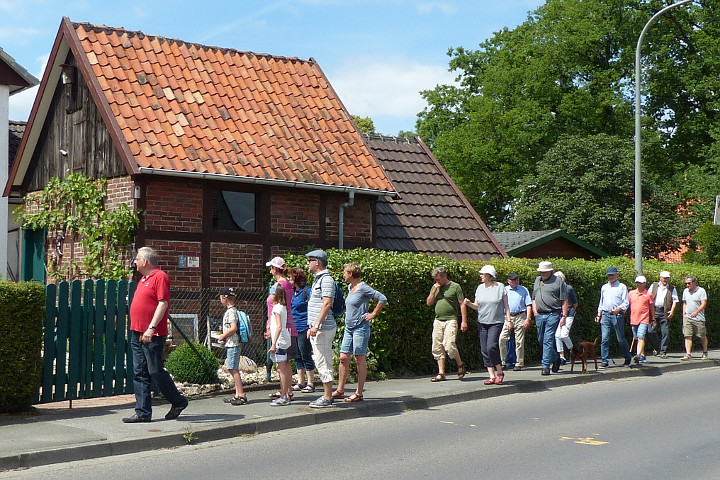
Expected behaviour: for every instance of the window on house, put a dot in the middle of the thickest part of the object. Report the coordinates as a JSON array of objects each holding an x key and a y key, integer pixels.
[{"x": 233, "y": 211}]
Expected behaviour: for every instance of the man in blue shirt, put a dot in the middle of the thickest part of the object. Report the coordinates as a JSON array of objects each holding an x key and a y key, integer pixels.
[
  {"x": 611, "y": 316},
  {"x": 520, "y": 304}
]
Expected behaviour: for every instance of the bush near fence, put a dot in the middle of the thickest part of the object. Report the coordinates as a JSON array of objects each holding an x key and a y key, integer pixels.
[
  {"x": 401, "y": 334},
  {"x": 22, "y": 309}
]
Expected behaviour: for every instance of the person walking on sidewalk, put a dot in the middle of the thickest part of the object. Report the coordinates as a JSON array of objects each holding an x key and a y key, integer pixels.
[
  {"x": 231, "y": 339},
  {"x": 666, "y": 300},
  {"x": 520, "y": 304},
  {"x": 694, "y": 303},
  {"x": 357, "y": 329},
  {"x": 322, "y": 323},
  {"x": 491, "y": 303},
  {"x": 148, "y": 329},
  {"x": 642, "y": 310},
  {"x": 611, "y": 316},
  {"x": 562, "y": 334},
  {"x": 447, "y": 298},
  {"x": 550, "y": 305}
]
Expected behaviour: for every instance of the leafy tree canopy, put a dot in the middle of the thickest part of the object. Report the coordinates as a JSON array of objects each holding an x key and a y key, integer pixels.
[
  {"x": 585, "y": 186},
  {"x": 569, "y": 70},
  {"x": 365, "y": 124}
]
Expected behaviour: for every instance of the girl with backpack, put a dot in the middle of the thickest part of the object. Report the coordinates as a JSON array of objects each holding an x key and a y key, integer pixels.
[{"x": 231, "y": 340}]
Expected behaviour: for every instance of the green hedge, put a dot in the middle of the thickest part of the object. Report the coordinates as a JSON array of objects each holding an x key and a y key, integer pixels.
[
  {"x": 22, "y": 310},
  {"x": 401, "y": 334}
]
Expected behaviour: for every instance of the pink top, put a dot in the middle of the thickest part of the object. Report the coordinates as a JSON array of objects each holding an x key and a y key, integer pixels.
[
  {"x": 288, "y": 299},
  {"x": 640, "y": 304}
]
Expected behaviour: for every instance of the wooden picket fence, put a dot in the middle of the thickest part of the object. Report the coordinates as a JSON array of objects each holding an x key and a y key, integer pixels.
[{"x": 86, "y": 351}]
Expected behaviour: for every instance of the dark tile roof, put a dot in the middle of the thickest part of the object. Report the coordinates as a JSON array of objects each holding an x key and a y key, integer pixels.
[
  {"x": 513, "y": 240},
  {"x": 516, "y": 243},
  {"x": 16, "y": 132},
  {"x": 430, "y": 215}
]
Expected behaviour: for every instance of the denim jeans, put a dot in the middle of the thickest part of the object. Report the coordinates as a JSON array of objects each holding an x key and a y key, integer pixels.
[
  {"x": 546, "y": 325},
  {"x": 608, "y": 323},
  {"x": 304, "y": 359},
  {"x": 661, "y": 345},
  {"x": 148, "y": 365}
]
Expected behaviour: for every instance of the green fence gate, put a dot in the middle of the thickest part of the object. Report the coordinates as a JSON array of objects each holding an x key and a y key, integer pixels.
[{"x": 86, "y": 351}]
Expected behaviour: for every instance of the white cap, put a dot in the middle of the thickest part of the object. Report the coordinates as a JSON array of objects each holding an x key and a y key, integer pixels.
[
  {"x": 640, "y": 279},
  {"x": 664, "y": 274},
  {"x": 489, "y": 269}
]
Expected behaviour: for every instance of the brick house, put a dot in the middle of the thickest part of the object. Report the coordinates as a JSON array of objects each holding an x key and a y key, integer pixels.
[{"x": 231, "y": 157}]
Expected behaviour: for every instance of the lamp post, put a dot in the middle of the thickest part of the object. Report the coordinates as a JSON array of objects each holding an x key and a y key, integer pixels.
[{"x": 638, "y": 139}]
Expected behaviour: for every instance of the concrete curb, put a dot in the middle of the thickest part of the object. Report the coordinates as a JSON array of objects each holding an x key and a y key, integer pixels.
[{"x": 307, "y": 416}]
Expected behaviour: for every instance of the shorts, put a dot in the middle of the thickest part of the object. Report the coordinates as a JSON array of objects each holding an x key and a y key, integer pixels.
[
  {"x": 693, "y": 327},
  {"x": 280, "y": 355},
  {"x": 355, "y": 340},
  {"x": 639, "y": 331},
  {"x": 232, "y": 361}
]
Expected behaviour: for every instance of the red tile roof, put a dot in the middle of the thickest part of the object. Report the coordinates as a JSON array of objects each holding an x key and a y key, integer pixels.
[{"x": 177, "y": 106}]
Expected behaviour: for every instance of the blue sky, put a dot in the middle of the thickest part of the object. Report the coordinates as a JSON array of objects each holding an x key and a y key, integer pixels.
[{"x": 377, "y": 54}]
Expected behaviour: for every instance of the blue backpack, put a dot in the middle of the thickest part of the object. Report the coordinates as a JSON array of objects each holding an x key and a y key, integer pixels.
[
  {"x": 338, "y": 306},
  {"x": 244, "y": 327}
]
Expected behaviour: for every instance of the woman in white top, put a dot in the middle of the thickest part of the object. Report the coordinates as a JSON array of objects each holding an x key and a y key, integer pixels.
[{"x": 491, "y": 303}]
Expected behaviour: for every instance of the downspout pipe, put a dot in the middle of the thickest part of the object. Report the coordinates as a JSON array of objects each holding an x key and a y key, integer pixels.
[{"x": 341, "y": 217}]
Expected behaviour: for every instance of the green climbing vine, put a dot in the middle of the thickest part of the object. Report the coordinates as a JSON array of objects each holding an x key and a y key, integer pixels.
[{"x": 74, "y": 210}]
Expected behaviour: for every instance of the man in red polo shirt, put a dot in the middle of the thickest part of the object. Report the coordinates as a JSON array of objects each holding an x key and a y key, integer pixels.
[{"x": 148, "y": 329}]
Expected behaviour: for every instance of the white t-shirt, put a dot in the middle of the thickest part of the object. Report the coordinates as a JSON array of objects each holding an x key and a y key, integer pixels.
[
  {"x": 283, "y": 340},
  {"x": 693, "y": 301},
  {"x": 229, "y": 318}
]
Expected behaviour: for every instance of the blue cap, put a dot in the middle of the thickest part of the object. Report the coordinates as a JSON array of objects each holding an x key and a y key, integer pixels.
[
  {"x": 611, "y": 271},
  {"x": 319, "y": 254}
]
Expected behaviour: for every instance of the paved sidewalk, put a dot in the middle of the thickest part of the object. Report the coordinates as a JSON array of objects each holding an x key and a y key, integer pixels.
[{"x": 93, "y": 428}]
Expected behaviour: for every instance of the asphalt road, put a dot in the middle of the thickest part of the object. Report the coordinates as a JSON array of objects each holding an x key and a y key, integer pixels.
[{"x": 638, "y": 428}]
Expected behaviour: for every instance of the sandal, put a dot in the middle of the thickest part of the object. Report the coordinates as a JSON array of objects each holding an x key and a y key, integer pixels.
[
  {"x": 280, "y": 402},
  {"x": 278, "y": 395},
  {"x": 338, "y": 394},
  {"x": 499, "y": 379},
  {"x": 462, "y": 371},
  {"x": 354, "y": 398},
  {"x": 439, "y": 378},
  {"x": 298, "y": 387},
  {"x": 490, "y": 381},
  {"x": 239, "y": 401},
  {"x": 308, "y": 388}
]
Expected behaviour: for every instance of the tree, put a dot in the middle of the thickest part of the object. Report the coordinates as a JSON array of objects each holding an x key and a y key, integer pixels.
[
  {"x": 585, "y": 186},
  {"x": 365, "y": 124},
  {"x": 72, "y": 210},
  {"x": 569, "y": 70}
]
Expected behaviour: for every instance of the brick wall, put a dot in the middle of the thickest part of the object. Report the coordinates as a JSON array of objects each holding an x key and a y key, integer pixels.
[
  {"x": 173, "y": 206},
  {"x": 169, "y": 250},
  {"x": 236, "y": 265},
  {"x": 295, "y": 214}
]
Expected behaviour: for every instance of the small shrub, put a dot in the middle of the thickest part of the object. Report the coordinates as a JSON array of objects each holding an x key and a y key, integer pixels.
[{"x": 185, "y": 366}]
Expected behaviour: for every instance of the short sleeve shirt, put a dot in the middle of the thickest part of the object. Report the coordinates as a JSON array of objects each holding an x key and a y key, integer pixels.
[
  {"x": 230, "y": 318},
  {"x": 447, "y": 301},
  {"x": 151, "y": 290},
  {"x": 491, "y": 308},
  {"x": 693, "y": 301},
  {"x": 640, "y": 304},
  {"x": 323, "y": 286}
]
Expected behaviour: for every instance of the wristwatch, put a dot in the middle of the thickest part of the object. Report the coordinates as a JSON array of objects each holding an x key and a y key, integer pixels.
[{"x": 151, "y": 327}]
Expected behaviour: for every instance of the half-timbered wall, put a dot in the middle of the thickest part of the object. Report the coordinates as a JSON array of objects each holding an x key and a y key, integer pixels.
[{"x": 74, "y": 138}]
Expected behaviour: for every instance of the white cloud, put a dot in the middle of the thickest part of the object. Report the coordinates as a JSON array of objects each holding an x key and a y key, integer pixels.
[{"x": 389, "y": 87}]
